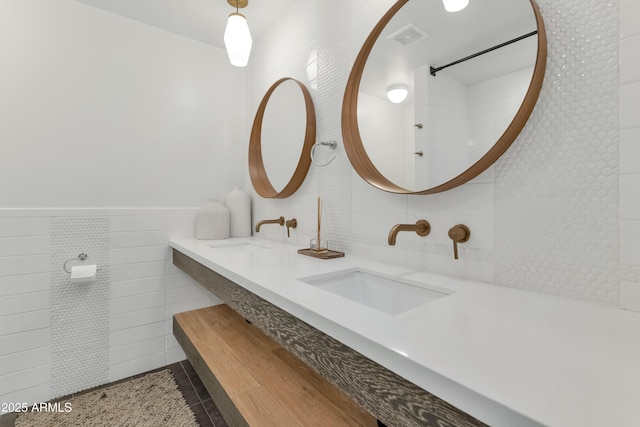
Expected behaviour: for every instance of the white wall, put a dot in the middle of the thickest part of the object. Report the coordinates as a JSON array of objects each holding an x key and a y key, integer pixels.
[
  {"x": 98, "y": 110},
  {"x": 103, "y": 121},
  {"x": 388, "y": 147},
  {"x": 492, "y": 104},
  {"x": 447, "y": 129}
]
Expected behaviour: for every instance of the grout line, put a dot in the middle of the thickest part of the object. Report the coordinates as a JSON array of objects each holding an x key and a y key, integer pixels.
[
  {"x": 163, "y": 260},
  {"x": 138, "y": 358},
  {"x": 24, "y": 370},
  {"x": 138, "y": 310},
  {"x": 137, "y": 262},
  {"x": 30, "y": 387},
  {"x": 25, "y": 293},
  {"x": 24, "y": 351},
  {"x": 138, "y": 342},
  {"x": 24, "y": 332},
  {"x": 23, "y": 312},
  {"x": 135, "y": 295},
  {"x": 207, "y": 412},
  {"x": 26, "y": 274},
  {"x": 190, "y": 382},
  {"x": 200, "y": 402}
]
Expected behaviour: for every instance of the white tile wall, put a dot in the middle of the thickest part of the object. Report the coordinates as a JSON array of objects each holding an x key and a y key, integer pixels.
[
  {"x": 630, "y": 153},
  {"x": 25, "y": 317},
  {"x": 145, "y": 290}
]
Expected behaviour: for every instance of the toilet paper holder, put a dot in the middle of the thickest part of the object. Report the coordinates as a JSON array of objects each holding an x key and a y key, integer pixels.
[{"x": 81, "y": 257}]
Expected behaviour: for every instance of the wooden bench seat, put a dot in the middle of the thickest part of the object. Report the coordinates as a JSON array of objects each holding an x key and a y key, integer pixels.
[{"x": 256, "y": 382}]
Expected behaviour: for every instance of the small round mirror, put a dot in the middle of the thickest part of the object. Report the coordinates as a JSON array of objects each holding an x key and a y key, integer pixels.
[{"x": 283, "y": 132}]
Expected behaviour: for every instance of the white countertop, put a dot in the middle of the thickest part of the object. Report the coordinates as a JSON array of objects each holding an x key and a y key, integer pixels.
[{"x": 507, "y": 357}]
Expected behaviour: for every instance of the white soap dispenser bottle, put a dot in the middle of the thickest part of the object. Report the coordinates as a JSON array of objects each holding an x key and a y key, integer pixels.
[
  {"x": 212, "y": 221},
  {"x": 239, "y": 204}
]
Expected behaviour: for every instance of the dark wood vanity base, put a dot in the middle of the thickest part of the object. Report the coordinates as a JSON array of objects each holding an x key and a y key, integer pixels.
[{"x": 386, "y": 395}]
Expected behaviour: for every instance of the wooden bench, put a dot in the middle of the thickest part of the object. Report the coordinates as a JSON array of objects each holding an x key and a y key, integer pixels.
[{"x": 256, "y": 382}]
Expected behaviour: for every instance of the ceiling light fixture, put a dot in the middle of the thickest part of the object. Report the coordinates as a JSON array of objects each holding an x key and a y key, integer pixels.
[
  {"x": 455, "y": 5},
  {"x": 397, "y": 93},
  {"x": 237, "y": 37}
]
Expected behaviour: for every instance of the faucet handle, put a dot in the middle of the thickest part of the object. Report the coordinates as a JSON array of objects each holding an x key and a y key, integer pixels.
[
  {"x": 459, "y": 234},
  {"x": 291, "y": 223}
]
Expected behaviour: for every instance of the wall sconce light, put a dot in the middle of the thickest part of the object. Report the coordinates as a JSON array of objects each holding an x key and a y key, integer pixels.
[
  {"x": 455, "y": 5},
  {"x": 397, "y": 93},
  {"x": 237, "y": 37}
]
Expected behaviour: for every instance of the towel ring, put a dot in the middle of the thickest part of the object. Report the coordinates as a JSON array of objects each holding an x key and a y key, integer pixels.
[{"x": 331, "y": 144}]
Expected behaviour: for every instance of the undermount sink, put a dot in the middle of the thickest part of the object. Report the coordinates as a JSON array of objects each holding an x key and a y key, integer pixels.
[{"x": 389, "y": 294}]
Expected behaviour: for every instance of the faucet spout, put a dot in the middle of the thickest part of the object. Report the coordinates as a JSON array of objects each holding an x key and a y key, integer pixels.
[
  {"x": 421, "y": 228},
  {"x": 279, "y": 221}
]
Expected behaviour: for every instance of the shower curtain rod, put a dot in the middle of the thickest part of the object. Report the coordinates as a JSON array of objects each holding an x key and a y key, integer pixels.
[{"x": 433, "y": 70}]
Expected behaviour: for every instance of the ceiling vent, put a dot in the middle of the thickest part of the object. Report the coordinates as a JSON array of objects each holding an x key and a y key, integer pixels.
[{"x": 408, "y": 35}]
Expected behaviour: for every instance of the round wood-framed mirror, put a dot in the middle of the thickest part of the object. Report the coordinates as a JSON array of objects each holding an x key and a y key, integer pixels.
[
  {"x": 430, "y": 39},
  {"x": 283, "y": 133}
]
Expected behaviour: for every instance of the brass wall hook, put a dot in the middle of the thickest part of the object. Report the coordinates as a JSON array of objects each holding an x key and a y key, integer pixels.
[{"x": 459, "y": 234}]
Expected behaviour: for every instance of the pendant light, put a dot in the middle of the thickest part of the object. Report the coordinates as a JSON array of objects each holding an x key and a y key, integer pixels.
[
  {"x": 455, "y": 5},
  {"x": 237, "y": 37}
]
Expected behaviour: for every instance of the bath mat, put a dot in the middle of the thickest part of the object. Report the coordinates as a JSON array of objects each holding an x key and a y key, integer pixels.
[{"x": 153, "y": 400}]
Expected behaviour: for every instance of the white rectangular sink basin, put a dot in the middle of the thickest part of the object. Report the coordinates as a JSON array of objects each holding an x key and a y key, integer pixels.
[{"x": 388, "y": 294}]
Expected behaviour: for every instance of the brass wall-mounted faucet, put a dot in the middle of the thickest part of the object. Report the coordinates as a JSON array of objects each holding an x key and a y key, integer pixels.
[
  {"x": 279, "y": 221},
  {"x": 459, "y": 234},
  {"x": 291, "y": 223},
  {"x": 421, "y": 227}
]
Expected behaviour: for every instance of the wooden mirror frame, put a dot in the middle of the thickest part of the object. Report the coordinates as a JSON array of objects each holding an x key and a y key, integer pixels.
[
  {"x": 353, "y": 143},
  {"x": 257, "y": 171}
]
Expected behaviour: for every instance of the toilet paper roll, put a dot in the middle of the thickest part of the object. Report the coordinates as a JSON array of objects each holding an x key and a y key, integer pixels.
[{"x": 83, "y": 273}]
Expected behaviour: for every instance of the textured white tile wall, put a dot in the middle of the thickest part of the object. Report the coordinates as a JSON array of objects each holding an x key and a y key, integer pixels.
[
  {"x": 79, "y": 313},
  {"x": 556, "y": 192},
  {"x": 142, "y": 293}
]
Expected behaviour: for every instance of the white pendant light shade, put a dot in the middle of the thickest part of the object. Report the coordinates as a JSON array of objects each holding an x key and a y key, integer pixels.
[
  {"x": 455, "y": 5},
  {"x": 397, "y": 93},
  {"x": 237, "y": 39}
]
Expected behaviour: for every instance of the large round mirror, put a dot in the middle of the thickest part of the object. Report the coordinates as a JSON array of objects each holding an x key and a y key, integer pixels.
[
  {"x": 284, "y": 130},
  {"x": 467, "y": 81}
]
